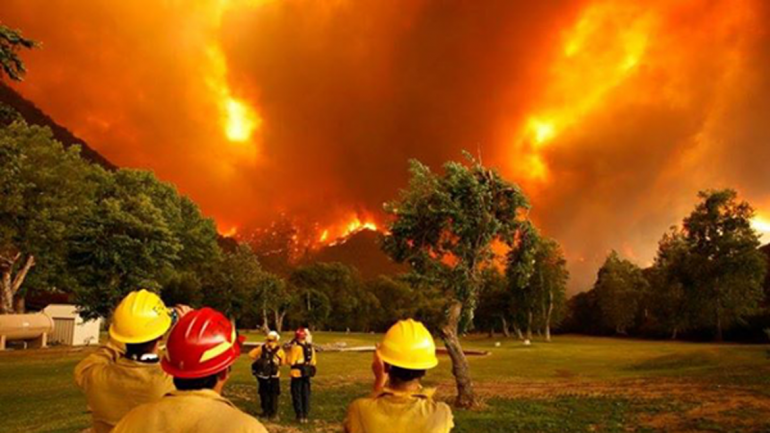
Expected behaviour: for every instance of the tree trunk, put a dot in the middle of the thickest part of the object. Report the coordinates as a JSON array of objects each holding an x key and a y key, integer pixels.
[
  {"x": 548, "y": 316},
  {"x": 674, "y": 332},
  {"x": 517, "y": 330},
  {"x": 265, "y": 325},
  {"x": 506, "y": 332},
  {"x": 529, "y": 325},
  {"x": 279, "y": 320},
  {"x": 20, "y": 305},
  {"x": 466, "y": 398},
  {"x": 10, "y": 284},
  {"x": 6, "y": 296}
]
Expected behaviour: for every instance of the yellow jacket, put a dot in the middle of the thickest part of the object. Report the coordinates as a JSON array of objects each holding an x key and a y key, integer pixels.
[
  {"x": 399, "y": 411},
  {"x": 297, "y": 357},
  {"x": 114, "y": 385},
  {"x": 200, "y": 411},
  {"x": 279, "y": 357}
]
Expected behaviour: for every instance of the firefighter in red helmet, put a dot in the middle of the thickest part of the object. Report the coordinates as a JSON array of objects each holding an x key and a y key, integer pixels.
[
  {"x": 302, "y": 360},
  {"x": 201, "y": 349}
]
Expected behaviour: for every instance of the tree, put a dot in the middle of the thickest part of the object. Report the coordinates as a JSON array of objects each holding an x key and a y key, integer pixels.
[
  {"x": 495, "y": 303},
  {"x": 618, "y": 287},
  {"x": 235, "y": 286},
  {"x": 550, "y": 281},
  {"x": 276, "y": 299},
  {"x": 444, "y": 227},
  {"x": 729, "y": 268},
  {"x": 337, "y": 286},
  {"x": 520, "y": 270},
  {"x": 672, "y": 284},
  {"x": 123, "y": 244},
  {"x": 46, "y": 192},
  {"x": 11, "y": 41}
]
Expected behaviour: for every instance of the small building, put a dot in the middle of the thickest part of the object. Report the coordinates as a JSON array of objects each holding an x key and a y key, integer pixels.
[{"x": 70, "y": 328}]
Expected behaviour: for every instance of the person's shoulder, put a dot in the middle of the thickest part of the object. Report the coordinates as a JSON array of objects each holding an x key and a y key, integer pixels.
[
  {"x": 362, "y": 402},
  {"x": 442, "y": 410},
  {"x": 136, "y": 417}
]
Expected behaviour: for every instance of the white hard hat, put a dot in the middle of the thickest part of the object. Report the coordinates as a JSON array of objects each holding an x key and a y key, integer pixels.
[{"x": 272, "y": 335}]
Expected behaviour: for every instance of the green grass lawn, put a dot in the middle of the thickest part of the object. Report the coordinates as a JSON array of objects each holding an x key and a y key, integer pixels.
[{"x": 572, "y": 384}]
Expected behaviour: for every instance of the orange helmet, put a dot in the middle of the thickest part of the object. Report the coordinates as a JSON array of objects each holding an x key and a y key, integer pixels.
[{"x": 202, "y": 343}]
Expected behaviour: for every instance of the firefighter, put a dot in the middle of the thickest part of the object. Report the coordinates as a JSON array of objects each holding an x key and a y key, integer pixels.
[
  {"x": 303, "y": 367},
  {"x": 399, "y": 402},
  {"x": 268, "y": 359},
  {"x": 126, "y": 371},
  {"x": 201, "y": 349}
]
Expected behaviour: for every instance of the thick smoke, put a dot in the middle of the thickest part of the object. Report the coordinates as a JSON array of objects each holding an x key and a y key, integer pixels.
[{"x": 348, "y": 91}]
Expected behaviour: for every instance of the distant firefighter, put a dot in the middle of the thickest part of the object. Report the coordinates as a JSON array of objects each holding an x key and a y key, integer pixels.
[
  {"x": 303, "y": 367},
  {"x": 266, "y": 367}
]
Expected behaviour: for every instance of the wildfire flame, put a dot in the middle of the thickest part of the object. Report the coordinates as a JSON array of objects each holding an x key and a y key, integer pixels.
[
  {"x": 347, "y": 227},
  {"x": 229, "y": 233},
  {"x": 761, "y": 225},
  {"x": 600, "y": 52},
  {"x": 239, "y": 120}
]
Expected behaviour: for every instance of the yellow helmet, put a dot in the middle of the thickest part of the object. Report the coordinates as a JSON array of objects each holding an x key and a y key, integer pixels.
[
  {"x": 140, "y": 317},
  {"x": 408, "y": 344}
]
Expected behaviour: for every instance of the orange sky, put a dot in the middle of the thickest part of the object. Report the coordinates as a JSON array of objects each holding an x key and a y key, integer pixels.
[{"x": 610, "y": 114}]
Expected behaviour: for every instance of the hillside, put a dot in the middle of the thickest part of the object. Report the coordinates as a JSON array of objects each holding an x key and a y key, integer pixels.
[
  {"x": 362, "y": 250},
  {"x": 34, "y": 115}
]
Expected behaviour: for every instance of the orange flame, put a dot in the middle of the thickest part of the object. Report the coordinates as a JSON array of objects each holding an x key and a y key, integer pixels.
[
  {"x": 761, "y": 225},
  {"x": 337, "y": 232},
  {"x": 231, "y": 232},
  {"x": 600, "y": 52},
  {"x": 239, "y": 120}
]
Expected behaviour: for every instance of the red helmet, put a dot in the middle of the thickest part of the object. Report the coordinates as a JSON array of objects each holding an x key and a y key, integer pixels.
[
  {"x": 202, "y": 343},
  {"x": 300, "y": 334}
]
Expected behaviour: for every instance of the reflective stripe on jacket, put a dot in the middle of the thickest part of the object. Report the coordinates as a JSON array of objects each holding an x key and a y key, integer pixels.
[
  {"x": 200, "y": 411},
  {"x": 113, "y": 385},
  {"x": 398, "y": 411}
]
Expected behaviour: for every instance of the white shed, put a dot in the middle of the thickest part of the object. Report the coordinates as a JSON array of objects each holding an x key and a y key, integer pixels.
[{"x": 70, "y": 328}]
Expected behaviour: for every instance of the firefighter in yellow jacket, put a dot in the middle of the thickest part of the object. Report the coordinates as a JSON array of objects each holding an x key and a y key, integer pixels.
[
  {"x": 200, "y": 352},
  {"x": 399, "y": 402},
  {"x": 116, "y": 379},
  {"x": 266, "y": 367},
  {"x": 303, "y": 367}
]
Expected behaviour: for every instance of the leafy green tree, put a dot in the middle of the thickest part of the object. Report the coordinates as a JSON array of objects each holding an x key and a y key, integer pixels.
[
  {"x": 550, "y": 282},
  {"x": 234, "y": 287},
  {"x": 671, "y": 284},
  {"x": 276, "y": 298},
  {"x": 619, "y": 286},
  {"x": 495, "y": 303},
  {"x": 729, "y": 269},
  {"x": 46, "y": 192},
  {"x": 339, "y": 285},
  {"x": 183, "y": 288},
  {"x": 444, "y": 227},
  {"x": 11, "y": 41},
  {"x": 520, "y": 270},
  {"x": 123, "y": 244},
  {"x": 197, "y": 235}
]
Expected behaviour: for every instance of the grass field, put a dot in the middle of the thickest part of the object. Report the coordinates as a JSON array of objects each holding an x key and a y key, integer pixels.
[{"x": 572, "y": 384}]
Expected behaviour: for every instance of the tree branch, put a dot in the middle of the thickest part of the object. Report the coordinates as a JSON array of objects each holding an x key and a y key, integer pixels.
[{"x": 19, "y": 278}]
